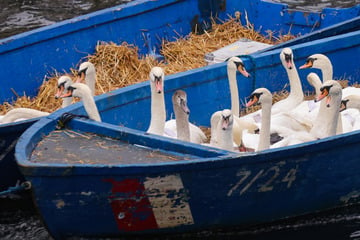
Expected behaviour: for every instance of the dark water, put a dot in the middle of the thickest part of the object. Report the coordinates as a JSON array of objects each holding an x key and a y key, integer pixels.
[
  {"x": 317, "y": 5},
  {"x": 19, "y": 219},
  {"x": 17, "y": 16}
]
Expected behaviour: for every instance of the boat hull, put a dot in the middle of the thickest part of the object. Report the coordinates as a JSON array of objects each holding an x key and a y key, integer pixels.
[
  {"x": 215, "y": 188},
  {"x": 224, "y": 191},
  {"x": 61, "y": 45}
]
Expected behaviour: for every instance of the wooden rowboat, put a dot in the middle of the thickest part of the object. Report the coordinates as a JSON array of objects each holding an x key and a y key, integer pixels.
[
  {"x": 60, "y": 46},
  {"x": 112, "y": 179}
]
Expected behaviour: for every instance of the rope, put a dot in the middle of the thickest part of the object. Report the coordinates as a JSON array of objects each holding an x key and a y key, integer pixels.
[
  {"x": 23, "y": 186},
  {"x": 65, "y": 118}
]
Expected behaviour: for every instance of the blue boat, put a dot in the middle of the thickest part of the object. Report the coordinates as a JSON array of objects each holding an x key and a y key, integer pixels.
[
  {"x": 60, "y": 46},
  {"x": 112, "y": 179}
]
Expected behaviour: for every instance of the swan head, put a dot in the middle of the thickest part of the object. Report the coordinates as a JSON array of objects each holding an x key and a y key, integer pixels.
[
  {"x": 63, "y": 83},
  {"x": 328, "y": 90},
  {"x": 226, "y": 120},
  {"x": 179, "y": 100},
  {"x": 318, "y": 61},
  {"x": 86, "y": 68},
  {"x": 344, "y": 103},
  {"x": 235, "y": 63},
  {"x": 313, "y": 79},
  {"x": 157, "y": 79},
  {"x": 287, "y": 58},
  {"x": 77, "y": 90},
  {"x": 260, "y": 95},
  {"x": 350, "y": 101}
]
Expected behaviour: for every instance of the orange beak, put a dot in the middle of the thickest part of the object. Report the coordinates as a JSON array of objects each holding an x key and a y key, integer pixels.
[
  {"x": 322, "y": 95},
  {"x": 68, "y": 94},
  {"x": 252, "y": 101},
  {"x": 306, "y": 65},
  {"x": 243, "y": 71},
  {"x": 158, "y": 86},
  {"x": 81, "y": 78},
  {"x": 59, "y": 92}
]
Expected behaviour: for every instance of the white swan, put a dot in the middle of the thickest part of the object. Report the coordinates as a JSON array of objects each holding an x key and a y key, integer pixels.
[
  {"x": 19, "y": 114},
  {"x": 303, "y": 116},
  {"x": 87, "y": 75},
  {"x": 350, "y": 109},
  {"x": 158, "y": 115},
  {"x": 351, "y": 101},
  {"x": 326, "y": 122},
  {"x": 322, "y": 62},
  {"x": 264, "y": 97},
  {"x": 83, "y": 91},
  {"x": 183, "y": 129},
  {"x": 63, "y": 83},
  {"x": 224, "y": 132},
  {"x": 296, "y": 95},
  {"x": 234, "y": 64}
]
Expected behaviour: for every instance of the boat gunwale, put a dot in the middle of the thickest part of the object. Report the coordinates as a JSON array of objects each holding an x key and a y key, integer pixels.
[{"x": 223, "y": 160}]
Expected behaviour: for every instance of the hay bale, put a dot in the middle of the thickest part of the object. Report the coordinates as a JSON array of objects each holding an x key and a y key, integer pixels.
[{"x": 120, "y": 65}]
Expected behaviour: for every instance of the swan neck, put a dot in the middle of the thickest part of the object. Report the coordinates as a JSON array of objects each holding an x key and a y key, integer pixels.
[
  {"x": 91, "y": 108},
  {"x": 66, "y": 102},
  {"x": 90, "y": 80},
  {"x": 224, "y": 139},
  {"x": 327, "y": 72},
  {"x": 264, "y": 142},
  {"x": 234, "y": 92},
  {"x": 326, "y": 123},
  {"x": 158, "y": 116},
  {"x": 182, "y": 124},
  {"x": 295, "y": 83}
]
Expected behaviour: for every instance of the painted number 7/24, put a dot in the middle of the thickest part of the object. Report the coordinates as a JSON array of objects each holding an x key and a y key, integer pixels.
[{"x": 271, "y": 175}]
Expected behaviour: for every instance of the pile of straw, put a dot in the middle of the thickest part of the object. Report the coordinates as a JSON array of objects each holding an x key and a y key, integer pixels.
[{"x": 120, "y": 65}]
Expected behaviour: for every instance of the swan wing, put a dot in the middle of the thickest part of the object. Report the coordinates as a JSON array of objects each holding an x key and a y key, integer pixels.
[{"x": 196, "y": 134}]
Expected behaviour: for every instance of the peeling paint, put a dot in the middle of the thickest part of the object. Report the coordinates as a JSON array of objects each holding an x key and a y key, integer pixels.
[
  {"x": 59, "y": 203},
  {"x": 350, "y": 196},
  {"x": 169, "y": 201},
  {"x": 87, "y": 193}
]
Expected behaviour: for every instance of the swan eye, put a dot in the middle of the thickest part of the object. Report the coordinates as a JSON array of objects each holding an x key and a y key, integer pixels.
[
  {"x": 82, "y": 71},
  {"x": 180, "y": 100},
  {"x": 310, "y": 61},
  {"x": 157, "y": 78},
  {"x": 344, "y": 103},
  {"x": 239, "y": 64},
  {"x": 71, "y": 88},
  {"x": 226, "y": 118},
  {"x": 326, "y": 88},
  {"x": 255, "y": 96},
  {"x": 61, "y": 85},
  {"x": 288, "y": 57}
]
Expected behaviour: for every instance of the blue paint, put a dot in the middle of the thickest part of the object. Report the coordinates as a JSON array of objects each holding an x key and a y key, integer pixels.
[
  {"x": 221, "y": 188},
  {"x": 28, "y": 58}
]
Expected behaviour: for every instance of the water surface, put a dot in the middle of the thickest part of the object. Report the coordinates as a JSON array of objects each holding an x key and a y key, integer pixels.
[
  {"x": 22, "y": 15},
  {"x": 18, "y": 16},
  {"x": 318, "y": 5}
]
